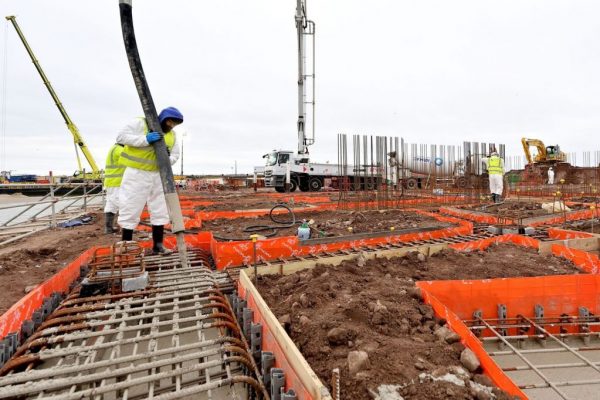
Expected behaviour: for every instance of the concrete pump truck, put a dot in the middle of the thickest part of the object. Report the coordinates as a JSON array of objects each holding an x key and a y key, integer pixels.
[{"x": 286, "y": 169}]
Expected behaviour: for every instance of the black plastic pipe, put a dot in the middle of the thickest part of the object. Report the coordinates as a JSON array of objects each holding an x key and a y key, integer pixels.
[{"x": 160, "y": 148}]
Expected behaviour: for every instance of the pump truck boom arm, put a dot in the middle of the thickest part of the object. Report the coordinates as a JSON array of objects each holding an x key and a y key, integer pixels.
[
  {"x": 305, "y": 28},
  {"x": 78, "y": 139}
]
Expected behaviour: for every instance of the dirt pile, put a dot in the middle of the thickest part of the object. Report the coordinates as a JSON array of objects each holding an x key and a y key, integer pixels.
[
  {"x": 325, "y": 223},
  {"x": 371, "y": 324},
  {"x": 32, "y": 260}
]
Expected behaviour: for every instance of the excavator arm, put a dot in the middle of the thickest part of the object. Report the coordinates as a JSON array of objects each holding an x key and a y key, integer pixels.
[
  {"x": 539, "y": 145},
  {"x": 77, "y": 138}
]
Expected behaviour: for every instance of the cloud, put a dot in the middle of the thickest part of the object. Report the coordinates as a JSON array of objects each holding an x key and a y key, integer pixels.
[{"x": 434, "y": 72}]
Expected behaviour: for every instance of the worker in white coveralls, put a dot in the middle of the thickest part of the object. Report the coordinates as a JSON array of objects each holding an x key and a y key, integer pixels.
[
  {"x": 495, "y": 168},
  {"x": 141, "y": 181},
  {"x": 550, "y": 176},
  {"x": 113, "y": 175}
]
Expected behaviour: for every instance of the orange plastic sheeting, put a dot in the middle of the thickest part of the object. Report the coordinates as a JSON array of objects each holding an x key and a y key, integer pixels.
[
  {"x": 560, "y": 218},
  {"x": 211, "y": 215},
  {"x": 230, "y": 254},
  {"x": 12, "y": 319},
  {"x": 200, "y": 240},
  {"x": 483, "y": 244},
  {"x": 558, "y": 294},
  {"x": 586, "y": 261},
  {"x": 470, "y": 215},
  {"x": 269, "y": 343},
  {"x": 563, "y": 234},
  {"x": 490, "y": 368}
]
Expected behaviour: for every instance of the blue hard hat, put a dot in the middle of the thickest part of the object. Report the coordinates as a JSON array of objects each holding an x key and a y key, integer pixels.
[{"x": 170, "y": 112}]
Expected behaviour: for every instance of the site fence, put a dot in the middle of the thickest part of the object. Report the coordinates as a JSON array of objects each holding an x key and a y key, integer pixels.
[{"x": 18, "y": 220}]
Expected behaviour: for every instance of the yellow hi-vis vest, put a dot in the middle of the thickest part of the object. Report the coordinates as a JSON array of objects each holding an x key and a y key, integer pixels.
[
  {"x": 113, "y": 170},
  {"x": 144, "y": 158},
  {"x": 495, "y": 166}
]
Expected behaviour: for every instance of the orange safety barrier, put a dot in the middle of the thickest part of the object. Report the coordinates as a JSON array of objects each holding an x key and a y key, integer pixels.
[
  {"x": 270, "y": 343},
  {"x": 230, "y": 254},
  {"x": 560, "y": 218},
  {"x": 588, "y": 262},
  {"x": 470, "y": 215},
  {"x": 457, "y": 300},
  {"x": 563, "y": 234},
  {"x": 490, "y": 368},
  {"x": 483, "y": 244},
  {"x": 22, "y": 310}
]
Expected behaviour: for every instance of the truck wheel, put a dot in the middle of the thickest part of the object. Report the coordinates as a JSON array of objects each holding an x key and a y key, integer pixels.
[
  {"x": 279, "y": 189},
  {"x": 293, "y": 185},
  {"x": 461, "y": 182},
  {"x": 412, "y": 183},
  {"x": 315, "y": 185}
]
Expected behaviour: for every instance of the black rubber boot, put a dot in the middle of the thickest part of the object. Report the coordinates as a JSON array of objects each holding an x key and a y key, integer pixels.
[
  {"x": 127, "y": 235},
  {"x": 109, "y": 220},
  {"x": 158, "y": 233}
]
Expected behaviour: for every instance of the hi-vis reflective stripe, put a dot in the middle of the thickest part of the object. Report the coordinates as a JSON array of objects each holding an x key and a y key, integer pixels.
[
  {"x": 113, "y": 176},
  {"x": 113, "y": 166},
  {"x": 138, "y": 159}
]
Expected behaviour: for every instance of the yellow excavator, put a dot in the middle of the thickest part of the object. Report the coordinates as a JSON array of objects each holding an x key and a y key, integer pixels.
[
  {"x": 545, "y": 154},
  {"x": 95, "y": 173}
]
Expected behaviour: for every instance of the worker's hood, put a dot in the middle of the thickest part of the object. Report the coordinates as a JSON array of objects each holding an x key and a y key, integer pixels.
[{"x": 170, "y": 112}]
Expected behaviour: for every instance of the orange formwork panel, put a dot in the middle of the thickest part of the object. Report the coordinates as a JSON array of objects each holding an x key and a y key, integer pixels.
[
  {"x": 587, "y": 262},
  {"x": 483, "y": 244},
  {"x": 564, "y": 234},
  {"x": 561, "y": 218},
  {"x": 470, "y": 215},
  {"x": 22, "y": 310},
  {"x": 231, "y": 254},
  {"x": 456, "y": 301}
]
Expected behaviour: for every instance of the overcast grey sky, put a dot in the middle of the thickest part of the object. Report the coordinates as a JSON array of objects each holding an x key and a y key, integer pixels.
[{"x": 430, "y": 71}]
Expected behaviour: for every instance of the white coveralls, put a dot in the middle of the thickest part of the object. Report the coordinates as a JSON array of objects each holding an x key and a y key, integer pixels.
[
  {"x": 550, "y": 177},
  {"x": 496, "y": 180},
  {"x": 141, "y": 187},
  {"x": 112, "y": 200}
]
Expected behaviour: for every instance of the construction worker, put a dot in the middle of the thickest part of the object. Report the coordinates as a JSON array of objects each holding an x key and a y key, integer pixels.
[
  {"x": 141, "y": 181},
  {"x": 550, "y": 176},
  {"x": 495, "y": 168},
  {"x": 113, "y": 174}
]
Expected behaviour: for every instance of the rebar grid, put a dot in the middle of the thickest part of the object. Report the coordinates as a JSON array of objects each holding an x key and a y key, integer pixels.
[
  {"x": 541, "y": 354},
  {"x": 178, "y": 338}
]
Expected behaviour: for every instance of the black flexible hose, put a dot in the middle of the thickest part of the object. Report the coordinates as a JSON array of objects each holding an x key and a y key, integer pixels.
[{"x": 262, "y": 228}]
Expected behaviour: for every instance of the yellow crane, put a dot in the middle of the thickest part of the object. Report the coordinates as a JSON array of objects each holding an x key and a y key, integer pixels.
[{"x": 78, "y": 139}]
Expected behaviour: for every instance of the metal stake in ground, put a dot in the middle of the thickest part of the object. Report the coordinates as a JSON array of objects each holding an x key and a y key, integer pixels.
[
  {"x": 254, "y": 238},
  {"x": 160, "y": 148}
]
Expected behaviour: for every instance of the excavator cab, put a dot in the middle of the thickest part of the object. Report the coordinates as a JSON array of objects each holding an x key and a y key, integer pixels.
[{"x": 552, "y": 152}]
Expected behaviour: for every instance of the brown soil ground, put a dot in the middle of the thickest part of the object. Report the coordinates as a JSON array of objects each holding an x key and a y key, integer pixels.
[
  {"x": 326, "y": 223},
  {"x": 228, "y": 204},
  {"x": 332, "y": 311},
  {"x": 585, "y": 226},
  {"x": 586, "y": 199},
  {"x": 515, "y": 209},
  {"x": 34, "y": 259}
]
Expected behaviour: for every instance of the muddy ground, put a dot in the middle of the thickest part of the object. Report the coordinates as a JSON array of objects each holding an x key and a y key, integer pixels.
[
  {"x": 228, "y": 204},
  {"x": 330, "y": 312},
  {"x": 519, "y": 209},
  {"x": 32, "y": 260},
  {"x": 589, "y": 225},
  {"x": 325, "y": 223}
]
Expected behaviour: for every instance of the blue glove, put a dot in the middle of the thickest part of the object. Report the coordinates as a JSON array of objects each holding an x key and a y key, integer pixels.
[{"x": 152, "y": 137}]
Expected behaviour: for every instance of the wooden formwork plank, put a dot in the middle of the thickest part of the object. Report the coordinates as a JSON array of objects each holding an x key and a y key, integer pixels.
[{"x": 294, "y": 358}]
